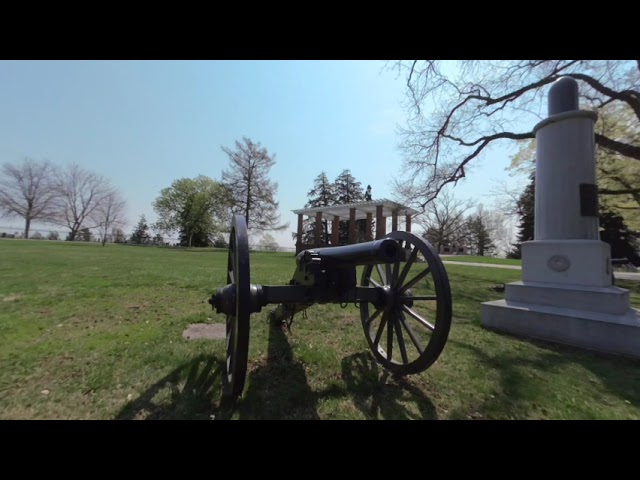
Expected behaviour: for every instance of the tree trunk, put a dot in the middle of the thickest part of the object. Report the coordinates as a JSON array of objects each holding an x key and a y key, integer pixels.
[
  {"x": 27, "y": 224},
  {"x": 190, "y": 237}
]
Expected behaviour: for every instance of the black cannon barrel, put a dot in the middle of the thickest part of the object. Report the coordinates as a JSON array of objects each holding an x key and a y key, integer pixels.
[{"x": 385, "y": 250}]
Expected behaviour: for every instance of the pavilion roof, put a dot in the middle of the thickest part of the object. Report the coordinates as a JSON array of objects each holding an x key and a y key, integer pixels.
[{"x": 362, "y": 208}]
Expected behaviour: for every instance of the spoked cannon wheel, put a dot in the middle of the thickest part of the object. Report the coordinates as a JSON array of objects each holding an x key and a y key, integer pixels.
[
  {"x": 408, "y": 330},
  {"x": 238, "y": 323}
]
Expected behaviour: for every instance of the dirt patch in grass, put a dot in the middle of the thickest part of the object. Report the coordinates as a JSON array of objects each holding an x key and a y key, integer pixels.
[{"x": 10, "y": 297}]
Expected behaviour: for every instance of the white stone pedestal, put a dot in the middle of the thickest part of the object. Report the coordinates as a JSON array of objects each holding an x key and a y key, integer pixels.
[
  {"x": 605, "y": 332},
  {"x": 566, "y": 296}
]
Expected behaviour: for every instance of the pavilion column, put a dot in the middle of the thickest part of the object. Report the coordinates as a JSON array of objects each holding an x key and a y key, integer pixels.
[
  {"x": 394, "y": 221},
  {"x": 352, "y": 226},
  {"x": 408, "y": 223},
  {"x": 299, "y": 237},
  {"x": 317, "y": 233},
  {"x": 369, "y": 233},
  {"x": 335, "y": 231},
  {"x": 381, "y": 223}
]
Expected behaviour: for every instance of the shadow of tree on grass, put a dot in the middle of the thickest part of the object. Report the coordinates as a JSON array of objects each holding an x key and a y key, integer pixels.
[{"x": 524, "y": 387}]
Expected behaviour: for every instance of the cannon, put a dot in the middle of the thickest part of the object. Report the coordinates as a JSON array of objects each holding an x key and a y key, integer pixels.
[{"x": 404, "y": 298}]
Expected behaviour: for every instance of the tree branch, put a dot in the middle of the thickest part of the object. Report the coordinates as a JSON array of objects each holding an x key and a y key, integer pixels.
[{"x": 625, "y": 149}]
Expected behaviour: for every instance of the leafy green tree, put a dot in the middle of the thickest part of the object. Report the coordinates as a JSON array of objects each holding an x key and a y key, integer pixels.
[{"x": 197, "y": 208}]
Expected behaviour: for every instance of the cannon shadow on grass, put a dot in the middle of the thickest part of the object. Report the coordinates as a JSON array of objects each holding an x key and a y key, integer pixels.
[
  {"x": 279, "y": 389},
  {"x": 187, "y": 393},
  {"x": 519, "y": 397},
  {"x": 379, "y": 395}
]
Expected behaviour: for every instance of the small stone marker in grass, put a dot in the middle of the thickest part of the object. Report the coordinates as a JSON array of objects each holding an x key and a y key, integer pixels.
[{"x": 210, "y": 331}]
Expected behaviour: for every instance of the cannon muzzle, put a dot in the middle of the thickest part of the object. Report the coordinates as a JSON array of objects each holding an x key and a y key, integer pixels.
[{"x": 385, "y": 250}]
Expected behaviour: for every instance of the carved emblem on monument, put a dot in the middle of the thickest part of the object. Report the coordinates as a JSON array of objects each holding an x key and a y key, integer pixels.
[{"x": 559, "y": 263}]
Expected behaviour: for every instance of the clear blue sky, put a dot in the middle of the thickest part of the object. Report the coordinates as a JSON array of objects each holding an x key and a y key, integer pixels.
[{"x": 144, "y": 124}]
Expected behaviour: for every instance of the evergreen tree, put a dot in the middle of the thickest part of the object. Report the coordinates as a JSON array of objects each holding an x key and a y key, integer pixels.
[
  {"x": 478, "y": 235},
  {"x": 348, "y": 190},
  {"x": 321, "y": 195},
  {"x": 526, "y": 210},
  {"x": 85, "y": 234},
  {"x": 623, "y": 241},
  {"x": 140, "y": 233}
]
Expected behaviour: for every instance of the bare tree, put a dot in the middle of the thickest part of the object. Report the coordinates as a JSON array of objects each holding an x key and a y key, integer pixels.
[
  {"x": 252, "y": 192},
  {"x": 27, "y": 190},
  {"x": 507, "y": 198},
  {"x": 444, "y": 220},
  {"x": 110, "y": 213},
  {"x": 81, "y": 192},
  {"x": 477, "y": 103}
]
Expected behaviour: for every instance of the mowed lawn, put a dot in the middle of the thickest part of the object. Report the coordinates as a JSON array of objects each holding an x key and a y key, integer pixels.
[{"x": 92, "y": 332}]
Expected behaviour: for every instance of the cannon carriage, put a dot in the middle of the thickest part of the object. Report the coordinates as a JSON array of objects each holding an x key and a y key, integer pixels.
[{"x": 404, "y": 298}]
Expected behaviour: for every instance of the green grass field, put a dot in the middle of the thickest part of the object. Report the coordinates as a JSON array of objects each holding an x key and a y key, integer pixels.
[{"x": 88, "y": 332}]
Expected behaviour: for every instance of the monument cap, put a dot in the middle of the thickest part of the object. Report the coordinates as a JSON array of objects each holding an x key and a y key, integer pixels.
[{"x": 563, "y": 96}]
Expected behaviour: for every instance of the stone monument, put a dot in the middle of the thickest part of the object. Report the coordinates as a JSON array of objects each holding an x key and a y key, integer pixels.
[{"x": 566, "y": 293}]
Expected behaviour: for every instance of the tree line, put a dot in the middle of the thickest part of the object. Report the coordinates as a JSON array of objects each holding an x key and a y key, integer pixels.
[
  {"x": 198, "y": 209},
  {"x": 71, "y": 197},
  {"x": 444, "y": 222}
]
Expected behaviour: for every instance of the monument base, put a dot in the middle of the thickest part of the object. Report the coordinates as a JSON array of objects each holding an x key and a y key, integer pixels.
[{"x": 606, "y": 332}]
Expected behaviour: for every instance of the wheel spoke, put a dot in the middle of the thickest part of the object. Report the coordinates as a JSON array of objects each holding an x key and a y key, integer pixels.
[
  {"x": 375, "y": 283},
  {"x": 376, "y": 340},
  {"x": 383, "y": 277},
  {"x": 372, "y": 317},
  {"x": 418, "y": 318},
  {"x": 415, "y": 280},
  {"x": 417, "y": 297},
  {"x": 407, "y": 266},
  {"x": 394, "y": 275},
  {"x": 400, "y": 337},
  {"x": 387, "y": 269},
  {"x": 412, "y": 334},
  {"x": 389, "y": 337}
]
